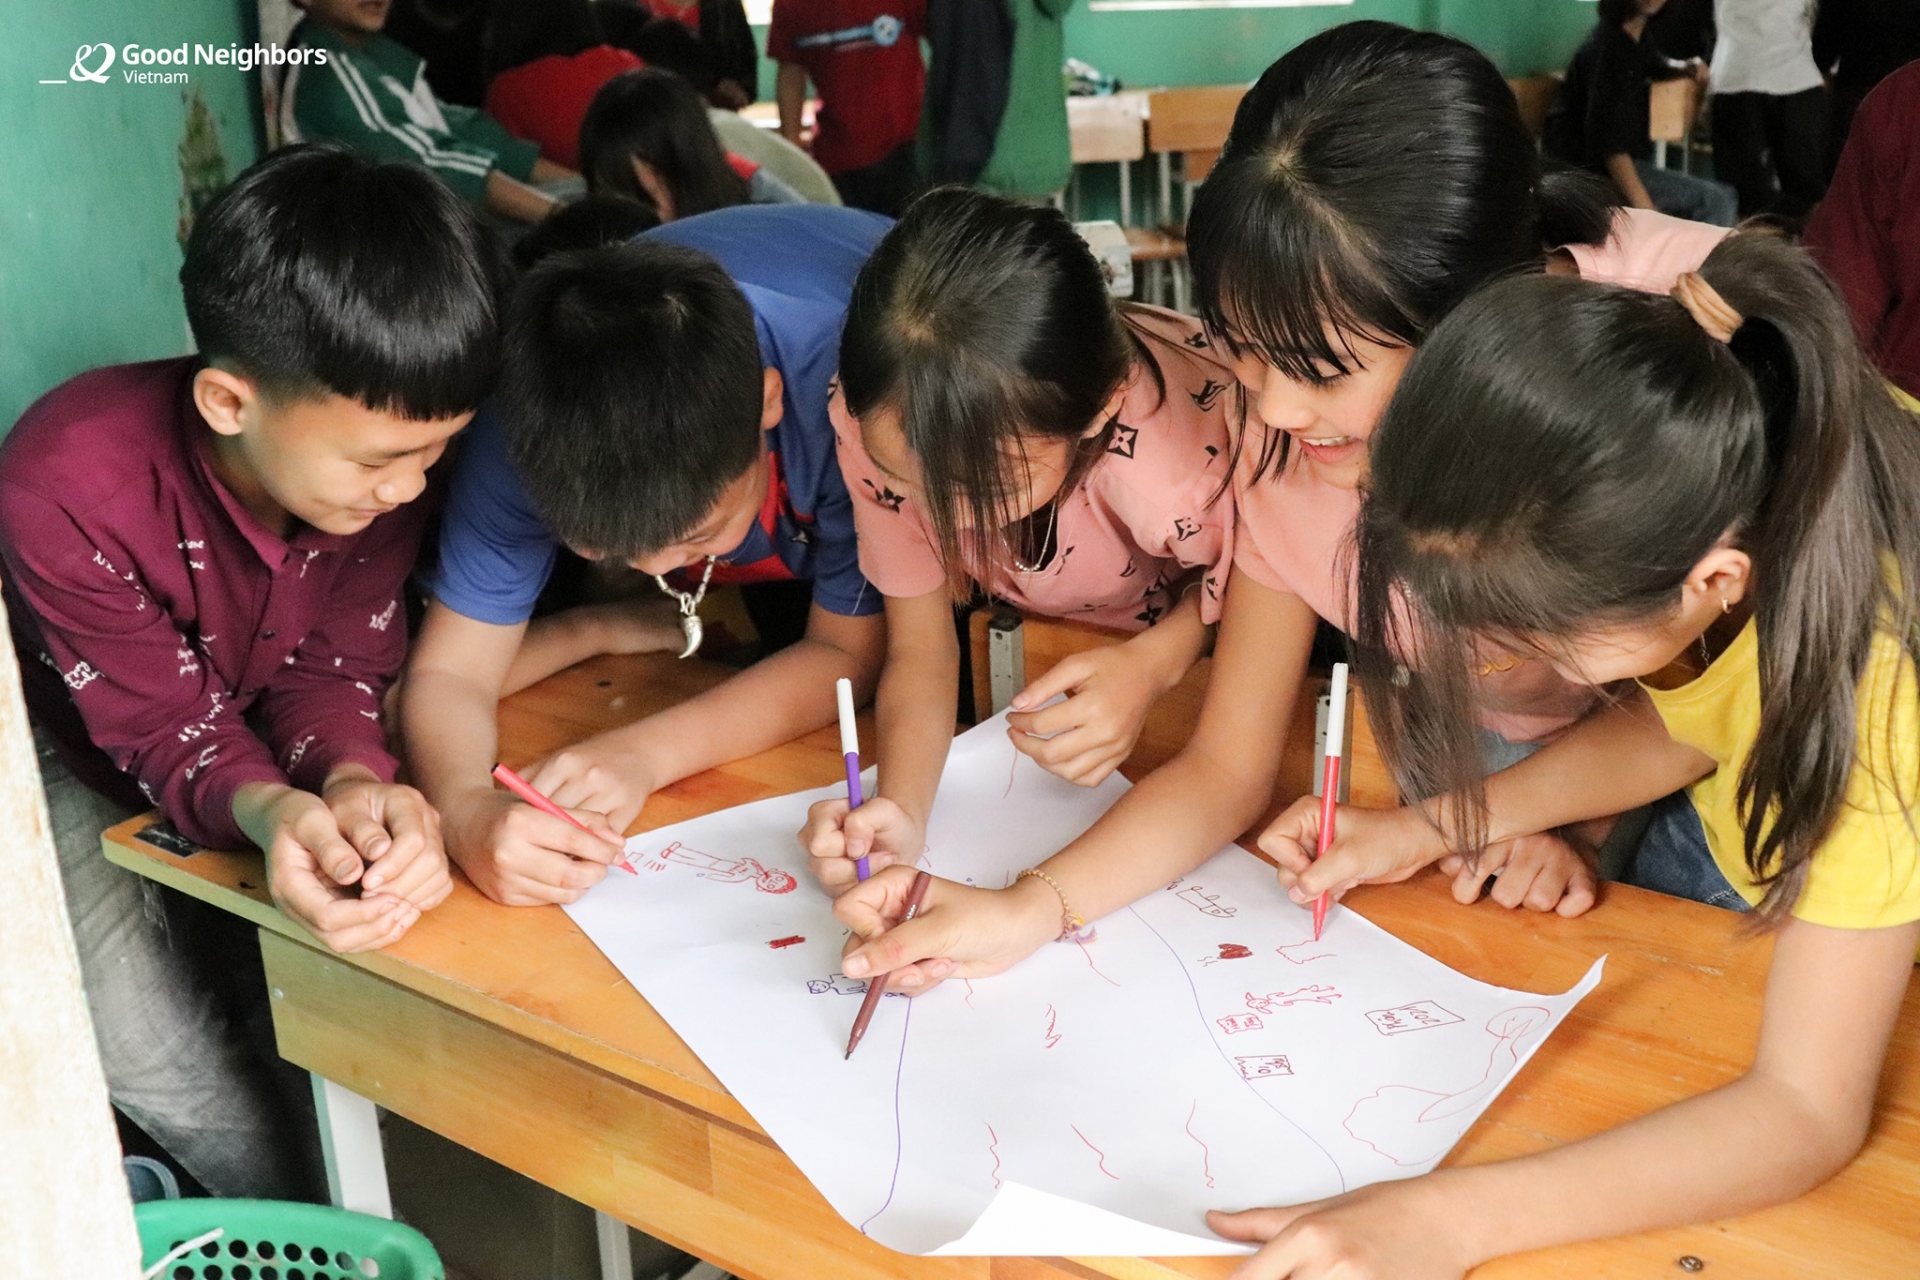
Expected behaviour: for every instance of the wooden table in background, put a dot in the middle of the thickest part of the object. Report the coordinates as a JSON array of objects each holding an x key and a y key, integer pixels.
[{"x": 505, "y": 1030}]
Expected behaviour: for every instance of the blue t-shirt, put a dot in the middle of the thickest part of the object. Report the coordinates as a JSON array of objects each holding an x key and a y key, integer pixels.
[{"x": 796, "y": 265}]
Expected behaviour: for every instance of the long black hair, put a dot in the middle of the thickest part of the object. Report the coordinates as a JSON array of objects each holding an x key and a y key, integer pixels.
[
  {"x": 984, "y": 323},
  {"x": 1373, "y": 178},
  {"x": 1558, "y": 457},
  {"x": 656, "y": 117}
]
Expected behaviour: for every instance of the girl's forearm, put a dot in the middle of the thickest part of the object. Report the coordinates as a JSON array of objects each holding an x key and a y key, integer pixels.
[
  {"x": 914, "y": 716},
  {"x": 1176, "y": 642}
]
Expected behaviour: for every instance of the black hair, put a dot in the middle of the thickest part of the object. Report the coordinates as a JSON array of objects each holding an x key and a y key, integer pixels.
[
  {"x": 587, "y": 223},
  {"x": 659, "y": 42},
  {"x": 656, "y": 117},
  {"x": 321, "y": 271},
  {"x": 1373, "y": 177},
  {"x": 521, "y": 33},
  {"x": 1617, "y": 12},
  {"x": 630, "y": 393},
  {"x": 1558, "y": 457},
  {"x": 983, "y": 322}
]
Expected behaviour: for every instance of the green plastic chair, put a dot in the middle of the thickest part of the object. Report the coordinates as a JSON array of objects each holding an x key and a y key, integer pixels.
[{"x": 279, "y": 1240}]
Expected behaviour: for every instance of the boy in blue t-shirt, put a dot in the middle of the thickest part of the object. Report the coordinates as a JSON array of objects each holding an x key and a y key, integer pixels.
[{"x": 663, "y": 404}]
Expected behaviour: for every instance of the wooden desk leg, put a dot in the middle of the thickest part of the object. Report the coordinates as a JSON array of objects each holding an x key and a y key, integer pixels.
[
  {"x": 350, "y": 1139},
  {"x": 616, "y": 1247}
]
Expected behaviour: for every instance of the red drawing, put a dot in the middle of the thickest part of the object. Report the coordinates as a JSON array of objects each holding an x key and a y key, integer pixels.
[
  {"x": 1234, "y": 951},
  {"x": 969, "y": 986},
  {"x": 993, "y": 1149},
  {"x": 1291, "y": 959},
  {"x": 1206, "y": 903},
  {"x": 1053, "y": 1037},
  {"x": 1264, "y": 1066},
  {"x": 725, "y": 870},
  {"x": 1206, "y": 1156},
  {"x": 1281, "y": 999},
  {"x": 1096, "y": 1151},
  {"x": 1090, "y": 964},
  {"x": 1418, "y": 1016},
  {"x": 1407, "y": 1125},
  {"x": 1234, "y": 1024},
  {"x": 779, "y": 943},
  {"x": 1011, "y": 770}
]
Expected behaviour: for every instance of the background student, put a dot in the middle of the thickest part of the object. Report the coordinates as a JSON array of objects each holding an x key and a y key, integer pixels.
[
  {"x": 1719, "y": 501},
  {"x": 863, "y": 56},
  {"x": 205, "y": 559},
  {"x": 373, "y": 96},
  {"x": 1412, "y": 182},
  {"x": 647, "y": 137},
  {"x": 1601, "y": 117},
  {"x": 1769, "y": 106},
  {"x": 664, "y": 405},
  {"x": 1001, "y": 423}
]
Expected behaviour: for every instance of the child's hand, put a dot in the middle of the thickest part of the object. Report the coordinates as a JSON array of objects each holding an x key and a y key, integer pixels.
[
  {"x": 1540, "y": 872},
  {"x": 1083, "y": 739},
  {"x": 610, "y": 773},
  {"x": 311, "y": 866},
  {"x": 959, "y": 931},
  {"x": 836, "y": 837},
  {"x": 1370, "y": 846},
  {"x": 521, "y": 857},
  {"x": 630, "y": 626},
  {"x": 1389, "y": 1231},
  {"x": 397, "y": 833}
]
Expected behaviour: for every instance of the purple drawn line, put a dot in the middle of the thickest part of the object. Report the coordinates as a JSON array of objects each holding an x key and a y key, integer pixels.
[
  {"x": 1245, "y": 1083},
  {"x": 993, "y": 1149},
  {"x": 1206, "y": 1156},
  {"x": 1096, "y": 1151},
  {"x": 1090, "y": 964},
  {"x": 1010, "y": 771},
  {"x": 898, "y": 1071}
]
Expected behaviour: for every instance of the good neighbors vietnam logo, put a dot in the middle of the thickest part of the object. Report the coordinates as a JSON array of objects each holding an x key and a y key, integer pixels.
[{"x": 158, "y": 64}]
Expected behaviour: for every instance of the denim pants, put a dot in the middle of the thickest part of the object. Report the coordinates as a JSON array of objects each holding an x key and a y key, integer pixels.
[
  {"x": 177, "y": 1061},
  {"x": 1685, "y": 196},
  {"x": 1674, "y": 858}
]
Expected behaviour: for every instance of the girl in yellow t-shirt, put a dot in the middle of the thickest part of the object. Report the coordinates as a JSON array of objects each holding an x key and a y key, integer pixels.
[{"x": 1710, "y": 503}]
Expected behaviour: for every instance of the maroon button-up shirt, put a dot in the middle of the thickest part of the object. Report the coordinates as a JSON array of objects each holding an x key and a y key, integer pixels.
[{"x": 167, "y": 638}]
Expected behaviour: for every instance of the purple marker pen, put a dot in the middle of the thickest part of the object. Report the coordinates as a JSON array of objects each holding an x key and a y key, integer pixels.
[{"x": 850, "y": 747}]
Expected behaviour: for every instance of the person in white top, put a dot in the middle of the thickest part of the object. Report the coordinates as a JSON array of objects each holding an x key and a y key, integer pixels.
[{"x": 1769, "y": 106}]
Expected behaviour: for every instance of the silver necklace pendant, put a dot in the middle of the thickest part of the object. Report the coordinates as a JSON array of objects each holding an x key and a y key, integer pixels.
[{"x": 689, "y": 602}]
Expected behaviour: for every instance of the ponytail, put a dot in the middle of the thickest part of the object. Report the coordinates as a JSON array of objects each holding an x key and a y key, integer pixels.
[{"x": 1614, "y": 443}]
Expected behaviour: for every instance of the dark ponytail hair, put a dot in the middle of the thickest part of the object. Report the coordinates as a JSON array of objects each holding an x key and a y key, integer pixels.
[
  {"x": 657, "y": 117},
  {"x": 1373, "y": 178},
  {"x": 1560, "y": 454},
  {"x": 983, "y": 323}
]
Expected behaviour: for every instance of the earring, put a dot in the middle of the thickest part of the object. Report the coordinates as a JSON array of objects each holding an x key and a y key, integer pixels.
[{"x": 1725, "y": 608}]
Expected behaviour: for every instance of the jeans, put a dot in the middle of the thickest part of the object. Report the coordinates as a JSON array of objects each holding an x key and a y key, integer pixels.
[
  {"x": 1615, "y": 853},
  {"x": 1685, "y": 196},
  {"x": 176, "y": 1060},
  {"x": 1674, "y": 859},
  {"x": 1772, "y": 148}
]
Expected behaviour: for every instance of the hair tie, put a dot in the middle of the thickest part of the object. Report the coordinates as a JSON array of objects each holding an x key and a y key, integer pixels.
[{"x": 1708, "y": 309}]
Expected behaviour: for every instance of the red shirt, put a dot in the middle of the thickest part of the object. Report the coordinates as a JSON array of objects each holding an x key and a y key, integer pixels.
[
  {"x": 545, "y": 100},
  {"x": 166, "y": 637},
  {"x": 1866, "y": 232},
  {"x": 864, "y": 58}
]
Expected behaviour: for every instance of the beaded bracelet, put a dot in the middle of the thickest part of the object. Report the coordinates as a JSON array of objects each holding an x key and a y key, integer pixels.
[{"x": 1072, "y": 927}]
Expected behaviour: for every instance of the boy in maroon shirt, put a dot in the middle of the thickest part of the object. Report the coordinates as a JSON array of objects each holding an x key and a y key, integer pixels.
[
  {"x": 864, "y": 58},
  {"x": 204, "y": 560}
]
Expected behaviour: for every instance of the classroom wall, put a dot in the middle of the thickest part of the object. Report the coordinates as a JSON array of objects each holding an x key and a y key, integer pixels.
[{"x": 97, "y": 178}]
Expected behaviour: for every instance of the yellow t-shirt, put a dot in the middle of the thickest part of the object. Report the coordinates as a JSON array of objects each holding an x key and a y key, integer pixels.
[{"x": 1867, "y": 873}]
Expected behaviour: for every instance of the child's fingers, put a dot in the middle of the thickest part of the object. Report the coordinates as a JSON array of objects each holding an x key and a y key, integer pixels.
[
  {"x": 365, "y": 832},
  {"x": 822, "y": 836},
  {"x": 414, "y": 832},
  {"x": 316, "y": 831},
  {"x": 1062, "y": 676},
  {"x": 422, "y": 880},
  {"x": 921, "y": 938},
  {"x": 347, "y": 935},
  {"x": 1252, "y": 1226},
  {"x": 1064, "y": 745},
  {"x": 1091, "y": 767},
  {"x": 1582, "y": 892},
  {"x": 921, "y": 976}
]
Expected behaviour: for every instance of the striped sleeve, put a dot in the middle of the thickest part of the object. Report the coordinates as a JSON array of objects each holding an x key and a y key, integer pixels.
[{"x": 336, "y": 103}]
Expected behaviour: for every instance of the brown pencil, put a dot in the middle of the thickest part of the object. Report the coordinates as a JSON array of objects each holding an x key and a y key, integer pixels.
[{"x": 877, "y": 986}]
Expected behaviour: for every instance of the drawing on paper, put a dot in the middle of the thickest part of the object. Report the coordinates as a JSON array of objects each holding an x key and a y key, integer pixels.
[
  {"x": 1410, "y": 1126},
  {"x": 1206, "y": 903},
  {"x": 1281, "y": 999},
  {"x": 724, "y": 870},
  {"x": 1418, "y": 1016},
  {"x": 927, "y": 1148},
  {"x": 1263, "y": 1066}
]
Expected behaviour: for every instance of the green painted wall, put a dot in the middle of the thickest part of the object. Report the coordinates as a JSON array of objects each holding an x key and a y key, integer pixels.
[{"x": 91, "y": 205}]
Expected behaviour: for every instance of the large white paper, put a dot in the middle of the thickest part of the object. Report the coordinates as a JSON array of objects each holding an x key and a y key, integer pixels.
[{"x": 1203, "y": 1052}]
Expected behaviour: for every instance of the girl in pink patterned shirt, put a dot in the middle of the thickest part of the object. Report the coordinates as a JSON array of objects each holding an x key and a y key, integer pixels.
[{"x": 1001, "y": 424}]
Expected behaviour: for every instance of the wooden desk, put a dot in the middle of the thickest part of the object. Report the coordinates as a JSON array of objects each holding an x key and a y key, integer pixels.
[{"x": 507, "y": 1031}]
